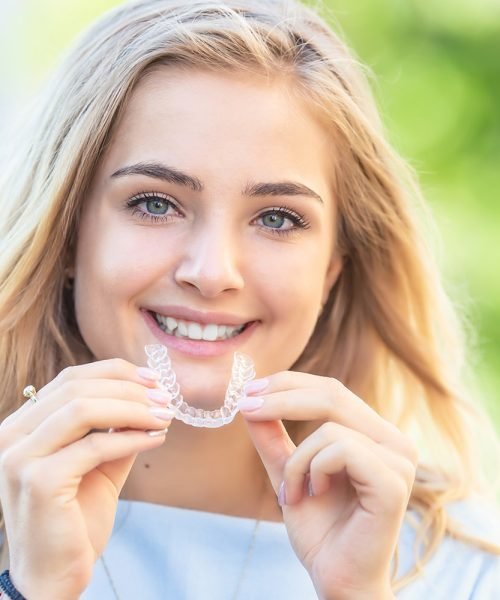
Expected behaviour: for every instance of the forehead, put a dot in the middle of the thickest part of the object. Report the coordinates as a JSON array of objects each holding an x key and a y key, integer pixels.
[{"x": 211, "y": 121}]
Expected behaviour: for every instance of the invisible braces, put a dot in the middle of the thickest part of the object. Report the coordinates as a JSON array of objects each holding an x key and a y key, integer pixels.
[{"x": 243, "y": 371}]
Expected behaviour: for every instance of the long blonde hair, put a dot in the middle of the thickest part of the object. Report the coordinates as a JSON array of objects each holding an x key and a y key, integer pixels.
[{"x": 387, "y": 331}]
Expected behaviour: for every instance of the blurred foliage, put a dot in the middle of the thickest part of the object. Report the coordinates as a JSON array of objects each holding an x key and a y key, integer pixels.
[{"x": 437, "y": 80}]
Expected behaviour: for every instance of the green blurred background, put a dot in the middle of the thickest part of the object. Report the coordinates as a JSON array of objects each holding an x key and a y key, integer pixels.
[{"x": 437, "y": 79}]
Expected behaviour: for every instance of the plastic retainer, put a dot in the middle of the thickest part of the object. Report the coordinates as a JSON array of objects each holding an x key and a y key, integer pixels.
[{"x": 243, "y": 371}]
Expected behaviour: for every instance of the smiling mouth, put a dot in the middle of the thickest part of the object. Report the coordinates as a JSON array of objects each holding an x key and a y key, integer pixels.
[{"x": 190, "y": 330}]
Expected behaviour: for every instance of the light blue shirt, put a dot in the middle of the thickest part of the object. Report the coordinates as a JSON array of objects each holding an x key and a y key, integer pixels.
[{"x": 161, "y": 552}]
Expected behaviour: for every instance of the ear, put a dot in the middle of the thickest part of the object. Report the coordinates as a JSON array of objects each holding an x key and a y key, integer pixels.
[{"x": 331, "y": 276}]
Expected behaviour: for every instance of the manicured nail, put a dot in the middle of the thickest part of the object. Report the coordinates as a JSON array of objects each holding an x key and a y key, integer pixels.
[
  {"x": 157, "y": 432},
  {"x": 282, "y": 494},
  {"x": 160, "y": 396},
  {"x": 256, "y": 385},
  {"x": 148, "y": 374},
  {"x": 166, "y": 414},
  {"x": 249, "y": 403}
]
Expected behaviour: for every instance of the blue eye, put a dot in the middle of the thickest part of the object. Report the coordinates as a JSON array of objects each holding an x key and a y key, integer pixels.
[
  {"x": 158, "y": 206},
  {"x": 274, "y": 220},
  {"x": 152, "y": 206},
  {"x": 282, "y": 220}
]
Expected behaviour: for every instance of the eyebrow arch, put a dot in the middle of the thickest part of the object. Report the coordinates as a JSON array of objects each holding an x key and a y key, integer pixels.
[
  {"x": 280, "y": 188},
  {"x": 173, "y": 175},
  {"x": 159, "y": 171}
]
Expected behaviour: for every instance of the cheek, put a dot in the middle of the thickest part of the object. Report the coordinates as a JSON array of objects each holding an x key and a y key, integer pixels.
[
  {"x": 115, "y": 259},
  {"x": 114, "y": 264},
  {"x": 292, "y": 284},
  {"x": 294, "y": 306}
]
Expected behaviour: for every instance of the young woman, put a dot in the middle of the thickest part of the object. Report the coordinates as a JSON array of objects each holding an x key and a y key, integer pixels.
[{"x": 213, "y": 177}]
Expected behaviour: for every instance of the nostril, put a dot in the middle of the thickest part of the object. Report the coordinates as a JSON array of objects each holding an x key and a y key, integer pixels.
[{"x": 209, "y": 272}]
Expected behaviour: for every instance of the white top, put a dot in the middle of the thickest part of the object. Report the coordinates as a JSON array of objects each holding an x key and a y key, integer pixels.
[{"x": 160, "y": 552}]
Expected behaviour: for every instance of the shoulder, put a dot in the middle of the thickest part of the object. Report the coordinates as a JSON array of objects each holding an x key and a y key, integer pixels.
[
  {"x": 476, "y": 518},
  {"x": 459, "y": 569}
]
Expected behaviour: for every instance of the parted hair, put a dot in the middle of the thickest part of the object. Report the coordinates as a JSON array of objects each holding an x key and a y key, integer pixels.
[{"x": 387, "y": 331}]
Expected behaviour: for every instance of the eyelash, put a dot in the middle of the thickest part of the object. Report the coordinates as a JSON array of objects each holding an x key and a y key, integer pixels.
[
  {"x": 299, "y": 222},
  {"x": 134, "y": 202}
]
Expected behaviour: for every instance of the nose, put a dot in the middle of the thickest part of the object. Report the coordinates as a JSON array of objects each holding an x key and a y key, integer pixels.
[{"x": 210, "y": 261}]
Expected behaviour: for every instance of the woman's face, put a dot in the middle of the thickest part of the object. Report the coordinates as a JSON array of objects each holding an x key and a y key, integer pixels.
[{"x": 210, "y": 216}]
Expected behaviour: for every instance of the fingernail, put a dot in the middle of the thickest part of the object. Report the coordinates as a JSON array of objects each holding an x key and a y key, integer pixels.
[
  {"x": 250, "y": 403},
  {"x": 160, "y": 396},
  {"x": 282, "y": 494},
  {"x": 157, "y": 432},
  {"x": 148, "y": 374},
  {"x": 256, "y": 385},
  {"x": 310, "y": 490},
  {"x": 166, "y": 414}
]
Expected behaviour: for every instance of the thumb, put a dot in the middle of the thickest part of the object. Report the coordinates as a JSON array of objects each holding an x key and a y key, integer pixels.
[
  {"x": 118, "y": 470},
  {"x": 273, "y": 445}
]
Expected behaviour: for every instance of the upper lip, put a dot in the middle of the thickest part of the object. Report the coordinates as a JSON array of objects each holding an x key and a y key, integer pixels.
[{"x": 188, "y": 314}]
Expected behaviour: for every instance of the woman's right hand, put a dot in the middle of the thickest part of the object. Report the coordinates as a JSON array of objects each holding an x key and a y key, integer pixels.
[{"x": 61, "y": 472}]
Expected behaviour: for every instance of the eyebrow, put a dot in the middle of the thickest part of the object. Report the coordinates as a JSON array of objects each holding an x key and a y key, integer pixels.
[
  {"x": 159, "y": 171},
  {"x": 178, "y": 177},
  {"x": 280, "y": 188}
]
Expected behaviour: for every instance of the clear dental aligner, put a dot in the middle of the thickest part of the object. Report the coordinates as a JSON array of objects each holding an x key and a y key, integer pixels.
[{"x": 242, "y": 372}]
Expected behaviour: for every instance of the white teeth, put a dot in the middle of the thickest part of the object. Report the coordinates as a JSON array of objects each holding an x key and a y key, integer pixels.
[
  {"x": 170, "y": 323},
  {"x": 197, "y": 331},
  {"x": 210, "y": 332},
  {"x": 194, "y": 331}
]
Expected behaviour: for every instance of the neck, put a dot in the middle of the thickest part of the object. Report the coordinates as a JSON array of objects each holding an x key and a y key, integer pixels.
[{"x": 212, "y": 470}]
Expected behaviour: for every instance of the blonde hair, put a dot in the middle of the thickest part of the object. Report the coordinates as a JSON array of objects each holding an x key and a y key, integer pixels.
[{"x": 387, "y": 331}]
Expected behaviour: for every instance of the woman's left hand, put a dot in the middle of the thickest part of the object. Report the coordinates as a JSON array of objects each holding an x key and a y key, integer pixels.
[{"x": 361, "y": 470}]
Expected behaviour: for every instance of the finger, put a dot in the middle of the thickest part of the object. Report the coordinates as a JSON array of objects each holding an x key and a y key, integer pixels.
[
  {"x": 28, "y": 420},
  {"x": 118, "y": 469},
  {"x": 8, "y": 431},
  {"x": 274, "y": 447},
  {"x": 298, "y": 467},
  {"x": 114, "y": 368},
  {"x": 289, "y": 395},
  {"x": 80, "y": 458},
  {"x": 379, "y": 489},
  {"x": 80, "y": 416},
  {"x": 10, "y": 419},
  {"x": 113, "y": 455}
]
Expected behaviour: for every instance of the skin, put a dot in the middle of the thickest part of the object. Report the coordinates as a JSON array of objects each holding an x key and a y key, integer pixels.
[
  {"x": 212, "y": 253},
  {"x": 216, "y": 252}
]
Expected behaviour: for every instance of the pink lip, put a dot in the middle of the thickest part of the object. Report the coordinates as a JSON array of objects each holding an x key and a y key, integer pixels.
[
  {"x": 200, "y": 348},
  {"x": 188, "y": 314}
]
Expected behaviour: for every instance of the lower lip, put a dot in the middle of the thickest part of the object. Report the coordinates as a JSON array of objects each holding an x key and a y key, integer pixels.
[{"x": 198, "y": 347}]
